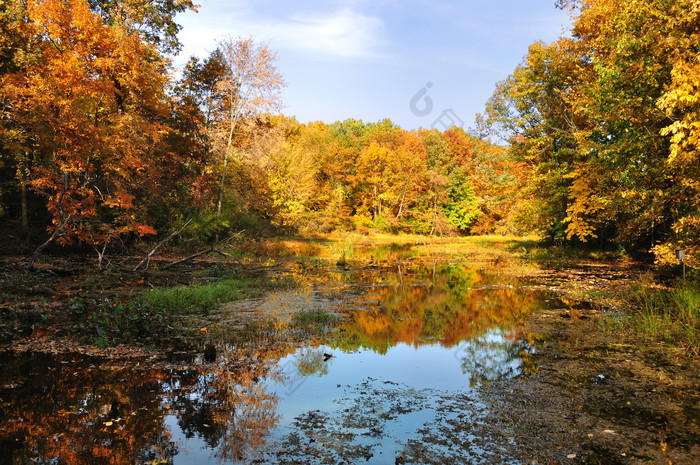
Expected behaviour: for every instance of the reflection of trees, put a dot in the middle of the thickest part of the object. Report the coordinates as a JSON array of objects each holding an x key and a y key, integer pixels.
[
  {"x": 246, "y": 416},
  {"x": 382, "y": 252},
  {"x": 310, "y": 361},
  {"x": 58, "y": 409},
  {"x": 496, "y": 354},
  {"x": 228, "y": 406},
  {"x": 63, "y": 410},
  {"x": 436, "y": 303}
]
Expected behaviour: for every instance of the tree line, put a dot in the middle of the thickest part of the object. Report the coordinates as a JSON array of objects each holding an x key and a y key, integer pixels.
[{"x": 101, "y": 143}]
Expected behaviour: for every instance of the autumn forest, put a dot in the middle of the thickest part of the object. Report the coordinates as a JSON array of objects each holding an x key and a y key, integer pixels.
[
  {"x": 593, "y": 139},
  {"x": 190, "y": 275}
]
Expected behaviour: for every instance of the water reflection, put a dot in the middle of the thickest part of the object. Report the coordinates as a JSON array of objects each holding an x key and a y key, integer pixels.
[
  {"x": 439, "y": 304},
  {"x": 414, "y": 336},
  {"x": 383, "y": 252},
  {"x": 62, "y": 409},
  {"x": 309, "y": 362},
  {"x": 227, "y": 406},
  {"x": 496, "y": 354},
  {"x": 72, "y": 410}
]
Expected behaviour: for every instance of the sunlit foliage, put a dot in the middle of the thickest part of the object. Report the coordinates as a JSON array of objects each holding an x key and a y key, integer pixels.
[{"x": 607, "y": 120}]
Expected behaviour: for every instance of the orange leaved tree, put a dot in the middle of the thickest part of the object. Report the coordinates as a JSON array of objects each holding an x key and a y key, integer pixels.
[{"x": 82, "y": 104}]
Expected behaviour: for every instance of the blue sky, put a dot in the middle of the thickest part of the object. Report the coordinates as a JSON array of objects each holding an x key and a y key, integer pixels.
[{"x": 367, "y": 59}]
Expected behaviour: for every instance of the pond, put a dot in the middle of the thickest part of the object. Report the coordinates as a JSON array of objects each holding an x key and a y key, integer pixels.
[{"x": 395, "y": 381}]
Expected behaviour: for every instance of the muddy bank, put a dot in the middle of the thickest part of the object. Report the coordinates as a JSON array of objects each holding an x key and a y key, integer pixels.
[
  {"x": 594, "y": 398},
  {"x": 66, "y": 305}
]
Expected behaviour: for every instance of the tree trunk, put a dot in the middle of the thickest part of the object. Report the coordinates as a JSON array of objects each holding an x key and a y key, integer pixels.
[
  {"x": 376, "y": 200},
  {"x": 221, "y": 187},
  {"x": 61, "y": 224},
  {"x": 234, "y": 120},
  {"x": 434, "y": 228},
  {"x": 25, "y": 214},
  {"x": 403, "y": 197}
]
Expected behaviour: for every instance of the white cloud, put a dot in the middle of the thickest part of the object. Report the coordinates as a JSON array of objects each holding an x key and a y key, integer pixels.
[{"x": 342, "y": 34}]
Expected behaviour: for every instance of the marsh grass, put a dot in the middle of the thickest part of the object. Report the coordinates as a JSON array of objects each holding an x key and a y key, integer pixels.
[
  {"x": 671, "y": 315},
  {"x": 383, "y": 246},
  {"x": 551, "y": 255}
]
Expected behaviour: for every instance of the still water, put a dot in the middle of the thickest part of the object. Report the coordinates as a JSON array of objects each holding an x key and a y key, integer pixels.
[{"x": 396, "y": 382}]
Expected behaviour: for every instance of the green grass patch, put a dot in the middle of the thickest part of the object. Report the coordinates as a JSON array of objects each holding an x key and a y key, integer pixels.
[
  {"x": 204, "y": 297},
  {"x": 153, "y": 314}
]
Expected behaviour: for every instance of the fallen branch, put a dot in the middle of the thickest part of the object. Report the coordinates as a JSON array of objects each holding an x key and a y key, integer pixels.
[
  {"x": 147, "y": 258},
  {"x": 226, "y": 255},
  {"x": 191, "y": 257},
  {"x": 216, "y": 248}
]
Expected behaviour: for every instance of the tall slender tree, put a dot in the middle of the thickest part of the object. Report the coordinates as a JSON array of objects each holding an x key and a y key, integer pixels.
[{"x": 251, "y": 86}]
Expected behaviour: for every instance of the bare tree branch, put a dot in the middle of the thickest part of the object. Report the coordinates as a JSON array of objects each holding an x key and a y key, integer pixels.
[
  {"x": 217, "y": 248},
  {"x": 147, "y": 258}
]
